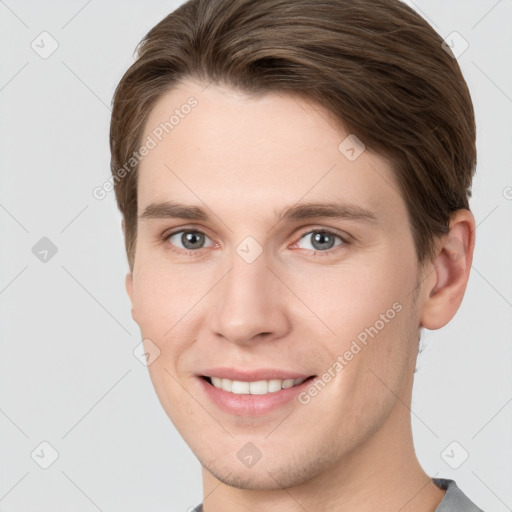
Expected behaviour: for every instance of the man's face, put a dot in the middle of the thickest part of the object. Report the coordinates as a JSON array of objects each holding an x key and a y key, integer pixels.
[{"x": 244, "y": 296}]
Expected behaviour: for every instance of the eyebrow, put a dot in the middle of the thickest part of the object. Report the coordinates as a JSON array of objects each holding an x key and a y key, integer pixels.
[{"x": 172, "y": 210}]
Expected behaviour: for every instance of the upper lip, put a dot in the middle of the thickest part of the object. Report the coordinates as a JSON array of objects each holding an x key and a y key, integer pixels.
[{"x": 247, "y": 375}]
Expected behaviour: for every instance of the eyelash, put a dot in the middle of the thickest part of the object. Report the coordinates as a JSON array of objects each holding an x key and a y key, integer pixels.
[{"x": 193, "y": 253}]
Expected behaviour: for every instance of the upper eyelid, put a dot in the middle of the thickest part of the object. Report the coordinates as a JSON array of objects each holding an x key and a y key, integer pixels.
[{"x": 321, "y": 229}]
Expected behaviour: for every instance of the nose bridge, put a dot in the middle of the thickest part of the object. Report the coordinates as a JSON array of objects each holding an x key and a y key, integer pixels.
[{"x": 247, "y": 299}]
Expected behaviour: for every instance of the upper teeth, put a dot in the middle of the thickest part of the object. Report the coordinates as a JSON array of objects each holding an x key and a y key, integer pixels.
[{"x": 259, "y": 387}]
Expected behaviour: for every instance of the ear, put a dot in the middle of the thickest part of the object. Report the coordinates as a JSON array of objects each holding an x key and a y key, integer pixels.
[
  {"x": 128, "y": 283},
  {"x": 446, "y": 283}
]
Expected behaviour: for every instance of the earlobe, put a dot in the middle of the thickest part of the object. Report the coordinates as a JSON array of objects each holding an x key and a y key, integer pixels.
[{"x": 443, "y": 293}]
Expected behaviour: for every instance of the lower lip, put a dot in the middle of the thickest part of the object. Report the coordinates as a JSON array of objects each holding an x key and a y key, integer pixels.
[{"x": 251, "y": 405}]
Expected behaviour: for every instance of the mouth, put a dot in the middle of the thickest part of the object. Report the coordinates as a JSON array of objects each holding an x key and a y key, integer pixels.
[
  {"x": 256, "y": 387},
  {"x": 253, "y": 393}
]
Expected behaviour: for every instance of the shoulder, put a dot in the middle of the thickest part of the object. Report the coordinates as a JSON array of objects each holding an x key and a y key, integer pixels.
[{"x": 454, "y": 499}]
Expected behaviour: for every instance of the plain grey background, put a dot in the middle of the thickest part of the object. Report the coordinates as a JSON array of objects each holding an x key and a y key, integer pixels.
[{"x": 68, "y": 374}]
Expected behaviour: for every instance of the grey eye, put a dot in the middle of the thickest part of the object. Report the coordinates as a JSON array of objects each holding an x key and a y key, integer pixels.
[
  {"x": 190, "y": 239},
  {"x": 321, "y": 240}
]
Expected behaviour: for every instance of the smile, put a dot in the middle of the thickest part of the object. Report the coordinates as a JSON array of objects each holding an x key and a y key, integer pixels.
[
  {"x": 258, "y": 387},
  {"x": 252, "y": 393}
]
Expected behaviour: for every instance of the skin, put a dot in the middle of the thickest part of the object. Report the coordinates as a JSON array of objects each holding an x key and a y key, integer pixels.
[{"x": 295, "y": 308}]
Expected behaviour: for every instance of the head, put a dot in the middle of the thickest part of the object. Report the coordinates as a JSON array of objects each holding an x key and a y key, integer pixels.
[{"x": 249, "y": 114}]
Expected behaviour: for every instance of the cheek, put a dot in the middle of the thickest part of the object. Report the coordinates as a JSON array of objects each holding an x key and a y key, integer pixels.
[
  {"x": 162, "y": 296},
  {"x": 167, "y": 303},
  {"x": 368, "y": 324},
  {"x": 351, "y": 297}
]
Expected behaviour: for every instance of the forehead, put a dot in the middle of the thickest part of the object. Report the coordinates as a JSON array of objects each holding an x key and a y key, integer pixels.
[{"x": 218, "y": 145}]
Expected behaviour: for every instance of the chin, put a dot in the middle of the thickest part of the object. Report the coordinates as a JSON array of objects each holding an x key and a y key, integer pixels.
[{"x": 269, "y": 475}]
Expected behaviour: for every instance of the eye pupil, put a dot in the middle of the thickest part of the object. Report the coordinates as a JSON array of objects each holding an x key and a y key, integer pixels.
[
  {"x": 192, "y": 239},
  {"x": 323, "y": 239}
]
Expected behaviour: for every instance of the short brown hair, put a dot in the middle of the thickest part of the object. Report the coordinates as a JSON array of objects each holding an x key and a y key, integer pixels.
[{"x": 377, "y": 66}]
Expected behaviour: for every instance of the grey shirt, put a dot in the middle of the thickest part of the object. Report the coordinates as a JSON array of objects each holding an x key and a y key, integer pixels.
[{"x": 454, "y": 499}]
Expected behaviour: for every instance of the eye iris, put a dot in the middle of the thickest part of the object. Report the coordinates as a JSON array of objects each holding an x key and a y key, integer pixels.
[
  {"x": 192, "y": 239},
  {"x": 323, "y": 238}
]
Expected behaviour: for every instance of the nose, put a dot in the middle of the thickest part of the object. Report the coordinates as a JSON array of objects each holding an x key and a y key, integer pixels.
[{"x": 250, "y": 304}]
